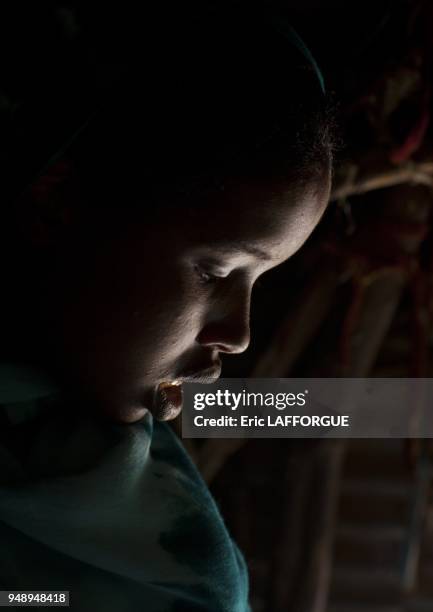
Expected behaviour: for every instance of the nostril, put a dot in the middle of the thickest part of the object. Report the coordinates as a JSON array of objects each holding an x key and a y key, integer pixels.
[
  {"x": 237, "y": 341},
  {"x": 221, "y": 348},
  {"x": 229, "y": 331}
]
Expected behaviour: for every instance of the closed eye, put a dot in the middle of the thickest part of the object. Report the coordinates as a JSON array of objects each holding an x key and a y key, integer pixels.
[
  {"x": 208, "y": 278},
  {"x": 205, "y": 277}
]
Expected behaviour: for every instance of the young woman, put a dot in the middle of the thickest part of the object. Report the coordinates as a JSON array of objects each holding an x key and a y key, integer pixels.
[{"x": 128, "y": 269}]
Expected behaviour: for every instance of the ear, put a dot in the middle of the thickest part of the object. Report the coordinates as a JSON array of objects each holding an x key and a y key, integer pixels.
[{"x": 47, "y": 207}]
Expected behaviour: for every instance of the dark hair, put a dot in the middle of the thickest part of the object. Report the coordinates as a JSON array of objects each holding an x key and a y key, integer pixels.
[
  {"x": 203, "y": 94},
  {"x": 206, "y": 97}
]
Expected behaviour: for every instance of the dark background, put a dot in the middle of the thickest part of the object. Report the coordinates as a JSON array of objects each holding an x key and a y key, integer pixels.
[{"x": 336, "y": 526}]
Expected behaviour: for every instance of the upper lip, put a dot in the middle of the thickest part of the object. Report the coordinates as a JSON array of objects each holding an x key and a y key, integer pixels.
[{"x": 205, "y": 375}]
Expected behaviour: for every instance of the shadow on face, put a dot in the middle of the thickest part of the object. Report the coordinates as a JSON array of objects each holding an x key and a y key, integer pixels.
[{"x": 124, "y": 310}]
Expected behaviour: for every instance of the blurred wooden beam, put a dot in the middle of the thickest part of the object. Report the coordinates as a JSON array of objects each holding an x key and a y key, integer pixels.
[{"x": 354, "y": 181}]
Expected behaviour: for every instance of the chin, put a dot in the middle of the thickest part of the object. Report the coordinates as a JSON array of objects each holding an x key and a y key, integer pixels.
[
  {"x": 127, "y": 416},
  {"x": 125, "y": 406},
  {"x": 136, "y": 416},
  {"x": 122, "y": 414}
]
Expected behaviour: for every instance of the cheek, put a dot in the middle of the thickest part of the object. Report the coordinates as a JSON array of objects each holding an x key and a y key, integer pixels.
[
  {"x": 142, "y": 310},
  {"x": 132, "y": 311},
  {"x": 169, "y": 310}
]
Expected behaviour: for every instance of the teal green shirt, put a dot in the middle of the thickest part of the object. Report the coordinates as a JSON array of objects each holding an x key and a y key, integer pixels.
[{"x": 116, "y": 514}]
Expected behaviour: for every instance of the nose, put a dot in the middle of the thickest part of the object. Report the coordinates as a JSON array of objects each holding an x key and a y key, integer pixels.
[{"x": 228, "y": 328}]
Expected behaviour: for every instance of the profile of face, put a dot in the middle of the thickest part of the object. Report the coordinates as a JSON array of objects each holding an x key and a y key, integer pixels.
[{"x": 163, "y": 303}]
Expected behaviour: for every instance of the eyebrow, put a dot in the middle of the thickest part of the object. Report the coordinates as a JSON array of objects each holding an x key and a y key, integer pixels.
[
  {"x": 248, "y": 248},
  {"x": 255, "y": 251}
]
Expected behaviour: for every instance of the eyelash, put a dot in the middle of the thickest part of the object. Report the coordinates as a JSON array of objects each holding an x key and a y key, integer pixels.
[
  {"x": 205, "y": 277},
  {"x": 210, "y": 279}
]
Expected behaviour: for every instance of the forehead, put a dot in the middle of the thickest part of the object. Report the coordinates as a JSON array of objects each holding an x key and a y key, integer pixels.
[{"x": 272, "y": 217}]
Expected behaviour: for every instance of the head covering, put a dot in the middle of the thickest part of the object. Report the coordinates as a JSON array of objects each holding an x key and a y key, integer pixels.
[
  {"x": 46, "y": 124},
  {"x": 282, "y": 26}
]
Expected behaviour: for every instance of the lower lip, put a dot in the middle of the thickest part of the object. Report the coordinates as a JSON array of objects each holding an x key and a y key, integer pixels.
[{"x": 168, "y": 402}]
